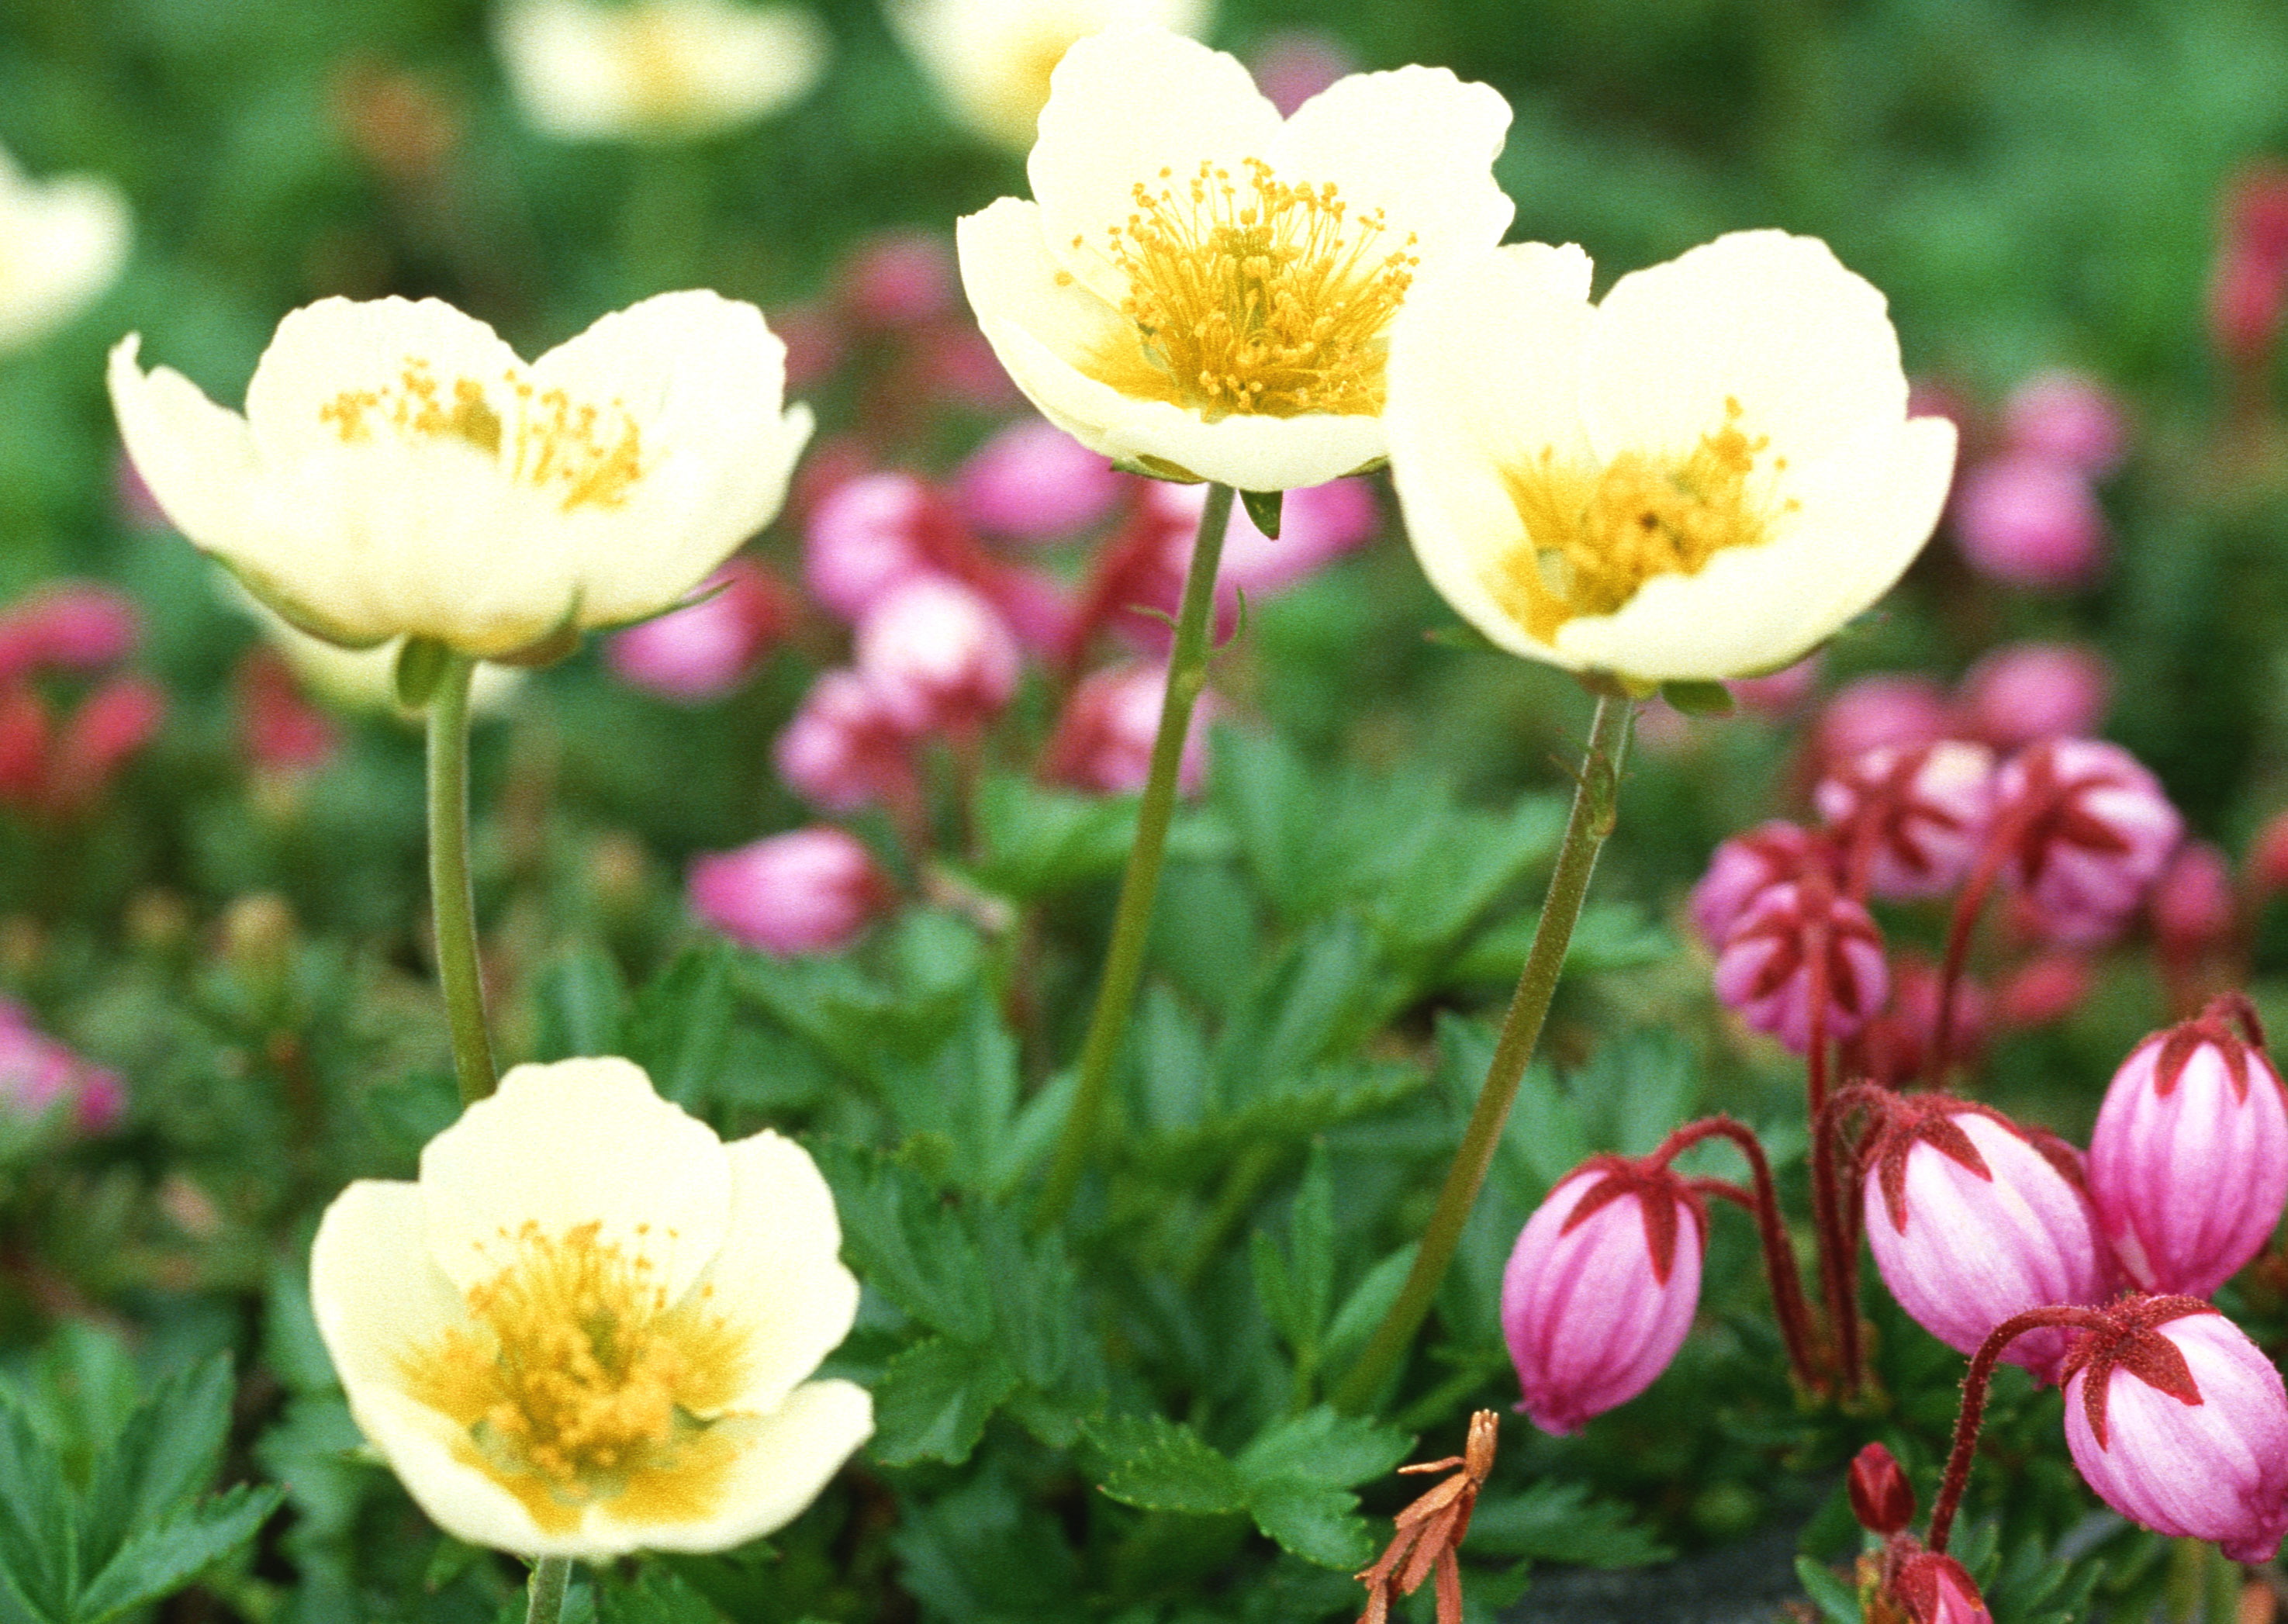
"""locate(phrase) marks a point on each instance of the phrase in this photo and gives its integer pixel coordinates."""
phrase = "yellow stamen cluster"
(1594, 535)
(1262, 296)
(578, 1380)
(586, 455)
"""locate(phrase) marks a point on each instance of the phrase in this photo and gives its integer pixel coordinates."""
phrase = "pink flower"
(1778, 693)
(1875, 711)
(2248, 289)
(1296, 64)
(2068, 418)
(843, 750)
(2267, 857)
(38, 1074)
(279, 729)
(1770, 854)
(2179, 1424)
(871, 535)
(2044, 990)
(938, 655)
(1971, 1220)
(2031, 522)
(1766, 968)
(1103, 741)
(2027, 691)
(70, 625)
(1937, 1589)
(2193, 906)
(900, 279)
(1318, 524)
(1600, 1288)
(2188, 1163)
(1894, 1048)
(1920, 814)
(1034, 482)
(706, 650)
(2089, 830)
(111, 725)
(808, 890)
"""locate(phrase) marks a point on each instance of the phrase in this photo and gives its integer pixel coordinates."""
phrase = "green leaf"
(1698, 698)
(1263, 510)
(1461, 634)
(935, 1399)
(1364, 1308)
(1038, 841)
(291, 1347)
(413, 1110)
(165, 1456)
(655, 1598)
(579, 1002)
(1316, 1523)
(679, 1029)
(1327, 1447)
(36, 1521)
(965, 1091)
(160, 1559)
(419, 667)
(1836, 1601)
(1162, 1465)
(1555, 1521)
(907, 1244)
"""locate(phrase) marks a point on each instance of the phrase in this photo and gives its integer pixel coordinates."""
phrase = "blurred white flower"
(657, 69)
(1701, 476)
(399, 472)
(991, 59)
(61, 244)
(1204, 290)
(586, 1330)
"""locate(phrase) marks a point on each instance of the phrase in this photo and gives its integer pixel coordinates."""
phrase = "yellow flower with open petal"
(586, 1330)
(399, 472)
(1204, 290)
(61, 244)
(658, 69)
(1701, 475)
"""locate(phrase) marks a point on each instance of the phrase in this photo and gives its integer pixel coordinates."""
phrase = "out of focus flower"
(2266, 863)
(1881, 1498)
(278, 729)
(1937, 1589)
(2188, 1162)
(66, 239)
(1800, 950)
(1873, 712)
(1771, 853)
(2248, 288)
(808, 890)
(1295, 64)
(2068, 418)
(1205, 290)
(2089, 830)
(938, 656)
(401, 472)
(1894, 1048)
(1600, 1288)
(38, 1074)
(656, 69)
(67, 625)
(901, 279)
(1701, 475)
(1318, 524)
(1034, 482)
(2022, 692)
(2027, 522)
(109, 727)
(2045, 989)
(2179, 1424)
(700, 652)
(1780, 692)
(992, 60)
(1920, 815)
(587, 1329)
(872, 534)
(843, 750)
(1972, 1222)
(2193, 906)
(1103, 741)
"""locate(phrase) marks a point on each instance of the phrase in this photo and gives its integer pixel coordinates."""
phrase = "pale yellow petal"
(324, 354)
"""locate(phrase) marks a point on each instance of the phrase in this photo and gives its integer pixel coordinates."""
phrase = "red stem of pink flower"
(1974, 1406)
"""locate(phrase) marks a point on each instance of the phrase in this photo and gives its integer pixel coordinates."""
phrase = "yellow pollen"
(582, 453)
(578, 1382)
(1594, 535)
(1261, 296)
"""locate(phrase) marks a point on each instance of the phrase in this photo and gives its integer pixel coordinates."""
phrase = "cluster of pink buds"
(705, 650)
(38, 1075)
(58, 766)
(2027, 514)
(1907, 1581)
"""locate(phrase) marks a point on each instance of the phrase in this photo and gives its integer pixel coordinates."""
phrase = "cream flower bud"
(658, 69)
(399, 472)
(586, 1330)
(1700, 477)
(66, 238)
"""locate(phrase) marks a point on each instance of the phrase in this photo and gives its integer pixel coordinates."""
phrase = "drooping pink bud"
(2248, 289)
(843, 750)
(2030, 522)
(70, 625)
(704, 651)
(1771, 853)
(26, 738)
(1778, 693)
(1037, 605)
(2068, 418)
(1971, 1220)
(1881, 1498)
(869, 536)
(1875, 711)
(1103, 741)
(2179, 1424)
(2089, 830)
(111, 726)
(279, 729)
(1937, 1589)
(1600, 1288)
(1766, 968)
(1034, 482)
(900, 279)
(2044, 990)
(808, 890)
(2188, 1162)
(1920, 815)
(939, 656)
(1894, 1048)
(2022, 692)
(1296, 64)
(2193, 906)
(39, 1075)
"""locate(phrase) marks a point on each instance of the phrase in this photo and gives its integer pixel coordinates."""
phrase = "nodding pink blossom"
(2030, 522)
(1771, 853)
(2089, 830)
(1894, 1048)
(709, 648)
(111, 725)
(939, 657)
(1103, 741)
(38, 1074)
(900, 279)
(2044, 990)
(1780, 692)
(1876, 711)
(871, 535)
(1034, 482)
(1972, 1219)
(808, 890)
(2248, 289)
(1601, 1287)
(2194, 908)
(2188, 1163)
(1037, 605)
(1934, 1589)
(279, 729)
(2070, 419)
(2179, 1424)
(1916, 816)
(1881, 1498)
(1296, 64)
(2023, 691)
(68, 625)
(843, 750)
(1791, 937)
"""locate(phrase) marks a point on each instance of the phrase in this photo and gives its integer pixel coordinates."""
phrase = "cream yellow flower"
(399, 472)
(991, 59)
(1204, 290)
(1701, 476)
(363, 679)
(61, 244)
(586, 1330)
(657, 69)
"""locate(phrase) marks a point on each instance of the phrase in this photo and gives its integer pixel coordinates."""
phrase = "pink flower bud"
(2044, 990)
(901, 279)
(2193, 906)
(843, 750)
(279, 729)
(1920, 814)
(2027, 522)
(1600, 1288)
(1937, 1589)
(111, 725)
(2179, 1424)
(1318, 524)
(709, 648)
(1769, 854)
(2089, 831)
(26, 735)
(807, 891)
(938, 655)
(2188, 1162)
(1973, 1220)
(71, 625)
(2247, 294)
(869, 536)
(1103, 741)
(1881, 1498)
(1894, 1048)
(1034, 482)
(1779, 694)
(1296, 64)
(2068, 418)
(1765, 969)
(37, 1074)
(1037, 605)
(2027, 691)
(1876, 711)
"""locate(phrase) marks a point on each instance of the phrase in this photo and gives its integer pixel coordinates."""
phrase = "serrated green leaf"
(1316, 1522)
(907, 1244)
(1038, 841)
(1162, 1465)
(1557, 1521)
(935, 1399)
(1037, 1325)
(678, 1029)
(1836, 1601)
(965, 1091)
(163, 1458)
(160, 1559)
(1326, 1447)
(36, 1520)
(655, 1598)
(580, 1002)
(1364, 1308)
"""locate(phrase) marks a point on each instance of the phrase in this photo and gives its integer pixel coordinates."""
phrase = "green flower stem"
(1131, 922)
(1596, 801)
(552, 1577)
(451, 899)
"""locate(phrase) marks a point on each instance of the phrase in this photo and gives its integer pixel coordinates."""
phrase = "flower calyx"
(2127, 1338)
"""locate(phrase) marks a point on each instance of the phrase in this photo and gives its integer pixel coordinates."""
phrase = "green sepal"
(420, 667)
(1263, 508)
(1157, 468)
(1699, 699)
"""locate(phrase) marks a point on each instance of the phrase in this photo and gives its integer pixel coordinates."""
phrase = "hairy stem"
(552, 1577)
(1973, 1406)
(452, 900)
(1763, 1204)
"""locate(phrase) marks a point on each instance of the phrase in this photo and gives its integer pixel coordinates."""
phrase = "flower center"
(659, 52)
(582, 453)
(1256, 296)
(578, 1382)
(1594, 535)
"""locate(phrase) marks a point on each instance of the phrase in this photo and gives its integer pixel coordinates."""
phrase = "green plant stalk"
(552, 1577)
(452, 899)
(1140, 885)
(1596, 802)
